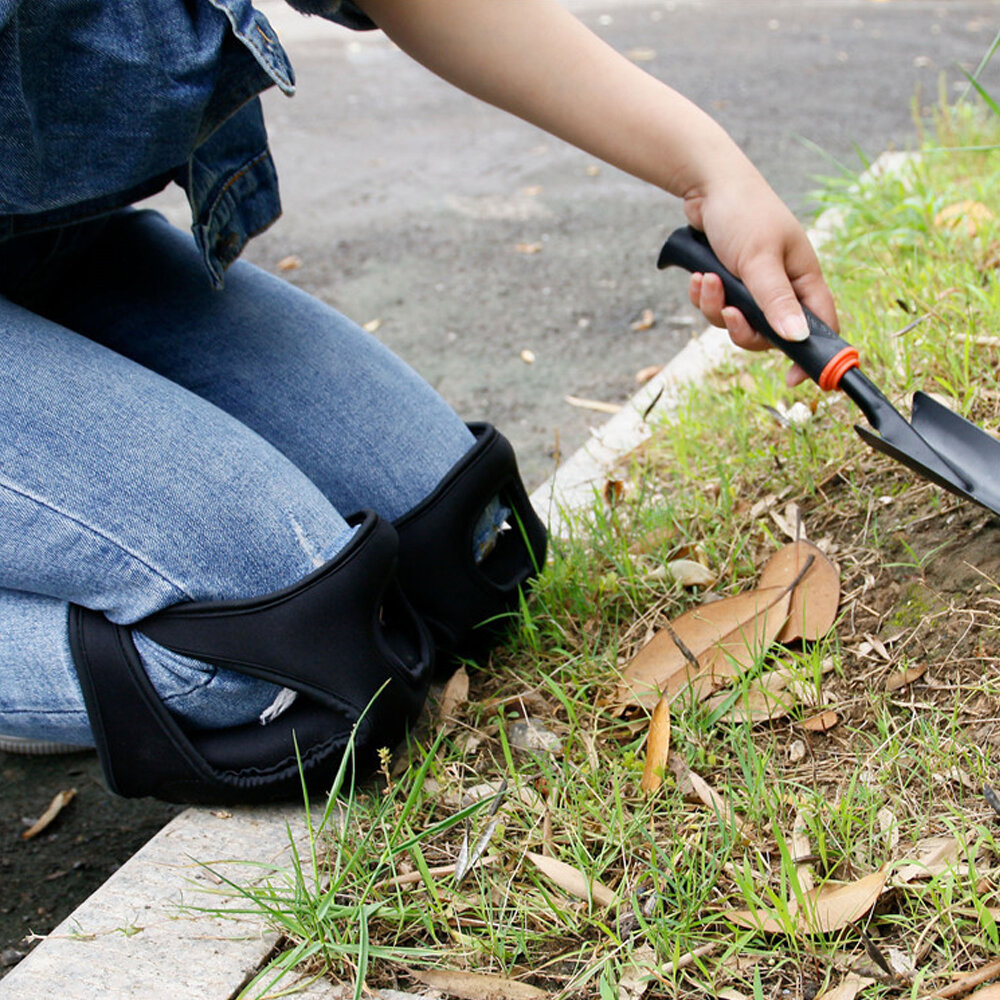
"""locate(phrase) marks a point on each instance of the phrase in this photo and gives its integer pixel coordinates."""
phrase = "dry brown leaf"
(707, 794)
(822, 722)
(815, 598)
(477, 985)
(694, 787)
(931, 856)
(689, 573)
(765, 699)
(454, 695)
(829, 908)
(848, 988)
(56, 806)
(802, 849)
(904, 677)
(967, 214)
(597, 405)
(614, 490)
(790, 522)
(639, 974)
(645, 322)
(572, 880)
(724, 638)
(643, 375)
(657, 747)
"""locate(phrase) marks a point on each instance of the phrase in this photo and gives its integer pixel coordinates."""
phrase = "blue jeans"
(163, 442)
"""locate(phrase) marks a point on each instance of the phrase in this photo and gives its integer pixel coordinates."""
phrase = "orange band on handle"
(837, 367)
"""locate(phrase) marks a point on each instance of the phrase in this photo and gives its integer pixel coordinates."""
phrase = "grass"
(917, 286)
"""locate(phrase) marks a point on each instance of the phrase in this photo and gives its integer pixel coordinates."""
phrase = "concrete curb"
(140, 935)
(576, 482)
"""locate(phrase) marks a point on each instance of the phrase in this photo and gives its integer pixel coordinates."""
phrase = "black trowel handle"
(824, 356)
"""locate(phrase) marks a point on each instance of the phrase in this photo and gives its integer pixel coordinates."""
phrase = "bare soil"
(45, 878)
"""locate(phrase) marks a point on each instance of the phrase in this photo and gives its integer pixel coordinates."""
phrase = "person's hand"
(757, 238)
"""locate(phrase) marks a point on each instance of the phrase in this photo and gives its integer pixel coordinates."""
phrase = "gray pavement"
(405, 200)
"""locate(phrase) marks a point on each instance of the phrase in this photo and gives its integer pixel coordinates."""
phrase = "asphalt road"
(405, 202)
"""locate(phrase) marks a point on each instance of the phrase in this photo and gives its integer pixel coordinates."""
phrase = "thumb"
(772, 290)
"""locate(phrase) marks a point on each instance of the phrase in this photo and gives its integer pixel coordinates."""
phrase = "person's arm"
(534, 59)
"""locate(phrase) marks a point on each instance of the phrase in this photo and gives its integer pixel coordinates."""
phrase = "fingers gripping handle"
(824, 356)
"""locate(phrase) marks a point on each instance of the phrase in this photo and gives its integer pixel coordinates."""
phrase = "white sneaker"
(29, 747)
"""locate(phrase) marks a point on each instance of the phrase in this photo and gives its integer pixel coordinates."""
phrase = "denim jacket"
(104, 102)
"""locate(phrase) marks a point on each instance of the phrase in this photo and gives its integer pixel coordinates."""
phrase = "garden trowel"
(935, 442)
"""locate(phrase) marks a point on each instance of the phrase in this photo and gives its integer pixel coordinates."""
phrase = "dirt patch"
(46, 878)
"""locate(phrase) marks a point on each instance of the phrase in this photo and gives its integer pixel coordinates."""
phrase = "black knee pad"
(467, 605)
(344, 638)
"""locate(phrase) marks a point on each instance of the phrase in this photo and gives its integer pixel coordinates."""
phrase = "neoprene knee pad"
(344, 638)
(468, 605)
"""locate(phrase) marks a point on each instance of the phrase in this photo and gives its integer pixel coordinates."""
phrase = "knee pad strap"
(344, 638)
(460, 600)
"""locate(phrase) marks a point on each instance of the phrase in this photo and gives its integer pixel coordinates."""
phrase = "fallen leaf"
(528, 248)
(639, 974)
(790, 522)
(477, 985)
(820, 723)
(765, 699)
(56, 806)
(797, 751)
(931, 856)
(695, 788)
(723, 637)
(532, 737)
(593, 404)
(816, 597)
(848, 988)
(614, 490)
(829, 908)
(572, 880)
(657, 747)
(645, 322)
(454, 695)
(689, 573)
(889, 827)
(967, 214)
(289, 263)
(643, 375)
(902, 678)
(802, 849)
